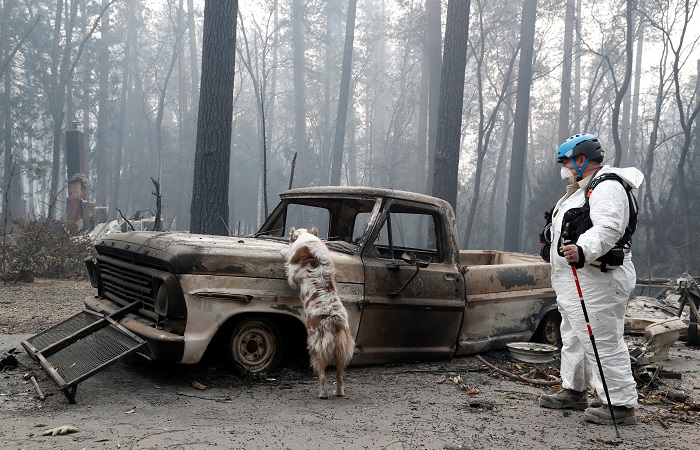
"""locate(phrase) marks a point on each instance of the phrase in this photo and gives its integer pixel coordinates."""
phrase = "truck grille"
(125, 285)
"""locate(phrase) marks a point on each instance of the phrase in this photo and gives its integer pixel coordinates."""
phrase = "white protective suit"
(605, 293)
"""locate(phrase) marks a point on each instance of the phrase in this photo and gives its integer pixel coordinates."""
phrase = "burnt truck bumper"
(162, 345)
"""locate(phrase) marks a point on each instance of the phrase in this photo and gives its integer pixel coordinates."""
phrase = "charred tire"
(255, 346)
(549, 330)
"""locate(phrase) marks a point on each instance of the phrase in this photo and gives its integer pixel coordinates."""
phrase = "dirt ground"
(412, 406)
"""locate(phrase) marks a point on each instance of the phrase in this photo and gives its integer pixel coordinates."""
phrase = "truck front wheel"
(255, 346)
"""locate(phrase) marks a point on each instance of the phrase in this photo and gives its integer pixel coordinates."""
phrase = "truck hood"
(184, 253)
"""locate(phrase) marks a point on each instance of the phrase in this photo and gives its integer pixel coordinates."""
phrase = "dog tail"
(345, 345)
(332, 341)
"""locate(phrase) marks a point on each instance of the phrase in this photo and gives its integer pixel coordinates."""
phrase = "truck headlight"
(162, 301)
(93, 273)
(169, 301)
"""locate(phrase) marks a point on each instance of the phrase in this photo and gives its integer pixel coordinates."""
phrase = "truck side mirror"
(415, 260)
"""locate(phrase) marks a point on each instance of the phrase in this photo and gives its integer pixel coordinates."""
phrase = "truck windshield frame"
(336, 219)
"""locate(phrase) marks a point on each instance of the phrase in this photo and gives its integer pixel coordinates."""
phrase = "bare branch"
(125, 219)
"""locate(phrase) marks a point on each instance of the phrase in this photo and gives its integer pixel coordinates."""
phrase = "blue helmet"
(581, 144)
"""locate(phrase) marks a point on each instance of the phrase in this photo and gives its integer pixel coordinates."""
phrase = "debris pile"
(140, 221)
(663, 321)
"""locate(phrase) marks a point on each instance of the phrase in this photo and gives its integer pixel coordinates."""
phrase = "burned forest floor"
(458, 404)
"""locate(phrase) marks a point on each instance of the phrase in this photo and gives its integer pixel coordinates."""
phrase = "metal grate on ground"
(81, 346)
(63, 330)
(91, 352)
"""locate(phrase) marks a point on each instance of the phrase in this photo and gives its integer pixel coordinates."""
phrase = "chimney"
(75, 152)
(77, 207)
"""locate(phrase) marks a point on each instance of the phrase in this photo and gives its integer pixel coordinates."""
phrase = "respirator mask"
(568, 175)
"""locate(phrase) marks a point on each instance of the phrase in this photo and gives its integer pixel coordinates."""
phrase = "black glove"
(581, 259)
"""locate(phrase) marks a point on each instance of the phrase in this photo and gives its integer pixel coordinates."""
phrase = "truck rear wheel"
(256, 345)
(549, 332)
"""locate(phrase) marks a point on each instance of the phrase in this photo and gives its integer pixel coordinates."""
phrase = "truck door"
(407, 316)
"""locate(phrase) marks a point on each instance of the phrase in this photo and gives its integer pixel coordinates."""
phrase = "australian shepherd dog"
(310, 268)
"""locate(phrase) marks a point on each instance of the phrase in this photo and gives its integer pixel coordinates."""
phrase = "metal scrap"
(663, 321)
(8, 360)
(690, 297)
(660, 337)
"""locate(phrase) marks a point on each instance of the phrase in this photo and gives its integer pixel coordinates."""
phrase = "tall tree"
(631, 159)
(344, 95)
(422, 127)
(182, 91)
(86, 81)
(328, 65)
(252, 63)
(649, 207)
(621, 92)
(56, 93)
(270, 119)
(514, 204)
(381, 111)
(192, 34)
(125, 88)
(576, 96)
(209, 210)
(434, 14)
(351, 169)
(103, 146)
(177, 22)
(499, 182)
(454, 61)
(565, 96)
(9, 163)
(299, 47)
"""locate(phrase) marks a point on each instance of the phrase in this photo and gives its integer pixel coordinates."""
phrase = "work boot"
(565, 399)
(601, 414)
(596, 402)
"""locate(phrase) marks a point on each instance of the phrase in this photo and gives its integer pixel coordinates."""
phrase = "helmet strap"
(579, 171)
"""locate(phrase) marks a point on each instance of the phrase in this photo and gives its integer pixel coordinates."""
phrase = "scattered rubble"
(535, 375)
(652, 327)
(8, 360)
(655, 308)
(140, 221)
(662, 321)
(657, 386)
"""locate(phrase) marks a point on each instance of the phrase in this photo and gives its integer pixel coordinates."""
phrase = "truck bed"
(492, 271)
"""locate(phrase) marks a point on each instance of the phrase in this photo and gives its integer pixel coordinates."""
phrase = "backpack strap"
(626, 240)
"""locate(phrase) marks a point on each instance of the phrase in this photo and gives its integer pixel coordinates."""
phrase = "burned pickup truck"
(411, 294)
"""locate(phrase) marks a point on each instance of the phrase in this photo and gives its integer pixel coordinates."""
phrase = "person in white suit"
(606, 281)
